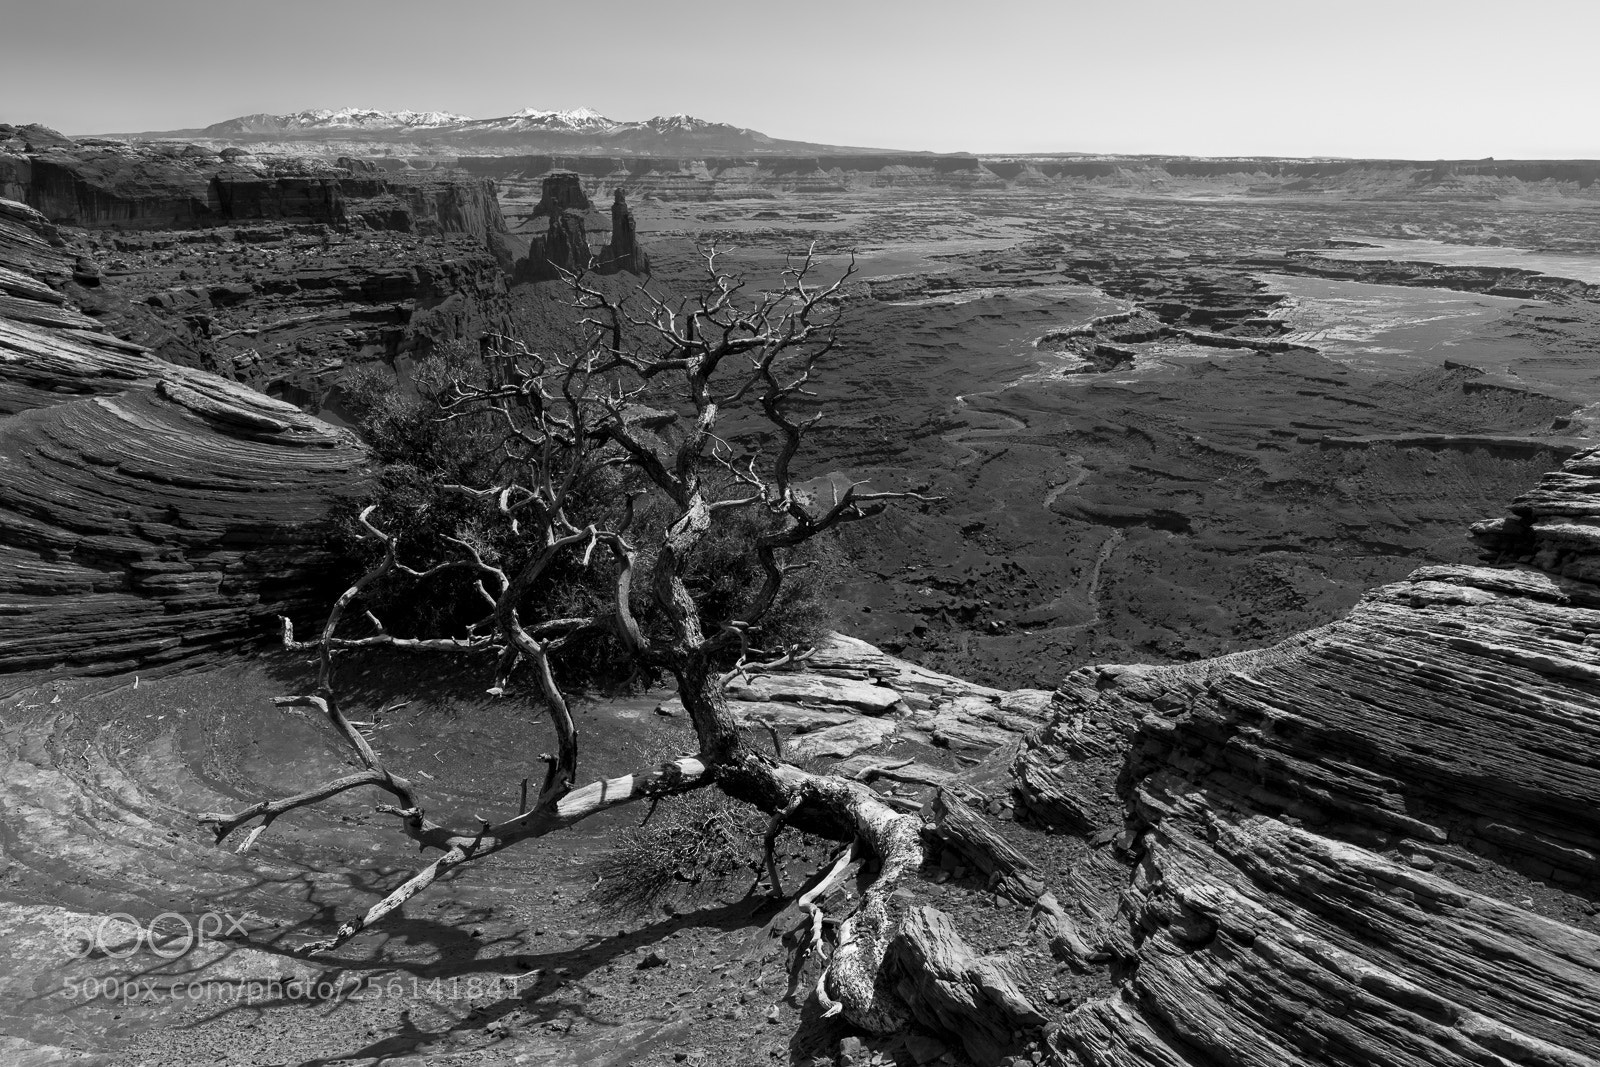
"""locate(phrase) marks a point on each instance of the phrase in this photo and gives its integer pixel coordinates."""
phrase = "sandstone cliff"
(147, 511)
(1372, 843)
(109, 184)
(564, 246)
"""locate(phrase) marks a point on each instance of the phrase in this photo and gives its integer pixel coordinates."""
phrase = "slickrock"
(803, 688)
(847, 675)
(851, 700)
(845, 739)
(848, 657)
(1373, 843)
(146, 510)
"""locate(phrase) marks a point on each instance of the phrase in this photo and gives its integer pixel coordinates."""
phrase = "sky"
(1414, 79)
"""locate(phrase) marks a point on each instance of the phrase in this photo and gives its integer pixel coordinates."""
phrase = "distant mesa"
(564, 246)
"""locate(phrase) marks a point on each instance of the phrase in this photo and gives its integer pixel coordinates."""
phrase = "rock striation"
(287, 309)
(147, 511)
(1371, 843)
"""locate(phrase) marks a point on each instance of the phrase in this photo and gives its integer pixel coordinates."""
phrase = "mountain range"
(580, 130)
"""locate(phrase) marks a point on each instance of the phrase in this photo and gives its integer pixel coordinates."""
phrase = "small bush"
(692, 848)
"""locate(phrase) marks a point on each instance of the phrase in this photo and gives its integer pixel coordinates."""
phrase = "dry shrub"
(693, 847)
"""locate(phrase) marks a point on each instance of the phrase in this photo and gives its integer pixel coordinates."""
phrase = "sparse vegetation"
(427, 450)
(687, 848)
(586, 499)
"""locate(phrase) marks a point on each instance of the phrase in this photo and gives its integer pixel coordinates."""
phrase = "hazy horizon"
(1408, 80)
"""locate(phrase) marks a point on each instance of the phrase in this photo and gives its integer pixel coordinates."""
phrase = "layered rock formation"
(1372, 843)
(287, 309)
(278, 271)
(707, 177)
(147, 511)
(704, 176)
(561, 192)
(564, 246)
(109, 184)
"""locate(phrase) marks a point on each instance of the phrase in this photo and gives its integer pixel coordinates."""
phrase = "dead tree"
(564, 417)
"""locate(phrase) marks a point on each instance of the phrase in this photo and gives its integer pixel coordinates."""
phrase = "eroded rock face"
(564, 246)
(277, 272)
(1555, 526)
(163, 185)
(147, 511)
(563, 191)
(1374, 842)
(623, 252)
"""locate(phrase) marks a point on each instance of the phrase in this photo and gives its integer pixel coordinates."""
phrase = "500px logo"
(169, 935)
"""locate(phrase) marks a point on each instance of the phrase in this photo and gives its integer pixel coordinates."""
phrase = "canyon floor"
(1163, 429)
(1166, 499)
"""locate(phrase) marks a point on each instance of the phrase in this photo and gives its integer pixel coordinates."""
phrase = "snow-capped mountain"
(579, 118)
(680, 121)
(364, 118)
(345, 118)
(579, 131)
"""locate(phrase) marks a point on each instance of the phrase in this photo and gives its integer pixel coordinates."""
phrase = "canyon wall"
(1371, 843)
(148, 511)
(280, 273)
(713, 176)
(98, 184)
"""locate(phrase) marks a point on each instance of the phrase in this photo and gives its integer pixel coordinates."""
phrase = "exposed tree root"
(807, 905)
(770, 842)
